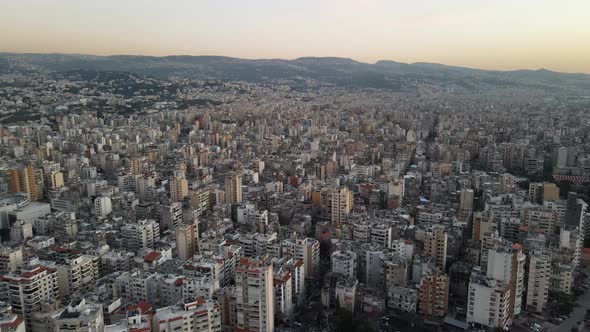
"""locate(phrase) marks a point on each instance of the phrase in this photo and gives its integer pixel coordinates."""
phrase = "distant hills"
(324, 71)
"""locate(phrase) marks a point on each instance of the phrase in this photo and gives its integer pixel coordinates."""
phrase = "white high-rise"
(254, 296)
(538, 281)
(488, 302)
(507, 265)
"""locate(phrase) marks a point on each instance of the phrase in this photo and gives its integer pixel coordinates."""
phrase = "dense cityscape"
(137, 202)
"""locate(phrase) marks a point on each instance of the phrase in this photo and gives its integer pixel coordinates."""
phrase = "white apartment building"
(25, 291)
(196, 316)
(488, 302)
(254, 296)
(141, 235)
(77, 275)
(538, 281)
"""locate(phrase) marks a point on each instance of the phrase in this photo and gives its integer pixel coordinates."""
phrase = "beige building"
(187, 240)
(178, 189)
(435, 245)
(26, 179)
(55, 180)
(11, 259)
(78, 275)
(233, 188)
(538, 281)
(336, 203)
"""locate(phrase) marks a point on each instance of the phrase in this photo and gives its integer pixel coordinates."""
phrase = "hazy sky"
(495, 34)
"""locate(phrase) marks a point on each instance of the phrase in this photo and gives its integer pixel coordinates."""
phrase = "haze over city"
(526, 34)
(294, 166)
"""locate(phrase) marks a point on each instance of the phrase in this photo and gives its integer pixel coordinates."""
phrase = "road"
(578, 314)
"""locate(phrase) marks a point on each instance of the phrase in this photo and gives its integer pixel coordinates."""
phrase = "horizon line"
(294, 59)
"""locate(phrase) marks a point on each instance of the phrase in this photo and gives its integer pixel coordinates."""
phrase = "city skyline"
(499, 36)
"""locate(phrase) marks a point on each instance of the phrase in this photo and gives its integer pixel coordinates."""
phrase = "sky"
(490, 34)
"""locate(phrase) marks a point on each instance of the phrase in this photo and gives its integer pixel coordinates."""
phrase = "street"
(578, 315)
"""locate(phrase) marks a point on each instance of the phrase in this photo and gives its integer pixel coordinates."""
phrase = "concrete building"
(539, 219)
(466, 202)
(402, 298)
(198, 315)
(11, 259)
(336, 203)
(308, 250)
(283, 290)
(507, 265)
(538, 281)
(26, 290)
(435, 246)
(178, 189)
(9, 321)
(77, 276)
(434, 294)
(488, 302)
(233, 189)
(24, 179)
(102, 206)
(80, 316)
(344, 263)
(141, 235)
(187, 240)
(170, 216)
(254, 296)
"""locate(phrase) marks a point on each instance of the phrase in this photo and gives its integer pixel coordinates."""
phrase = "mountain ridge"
(336, 71)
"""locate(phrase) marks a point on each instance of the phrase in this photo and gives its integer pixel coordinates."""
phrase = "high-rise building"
(141, 235)
(78, 275)
(178, 189)
(307, 249)
(538, 281)
(254, 296)
(25, 291)
(102, 206)
(26, 179)
(560, 157)
(542, 192)
(170, 216)
(435, 245)
(466, 199)
(233, 188)
(506, 263)
(434, 294)
(336, 203)
(539, 219)
(575, 210)
(535, 192)
(283, 290)
(488, 302)
(136, 165)
(187, 240)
